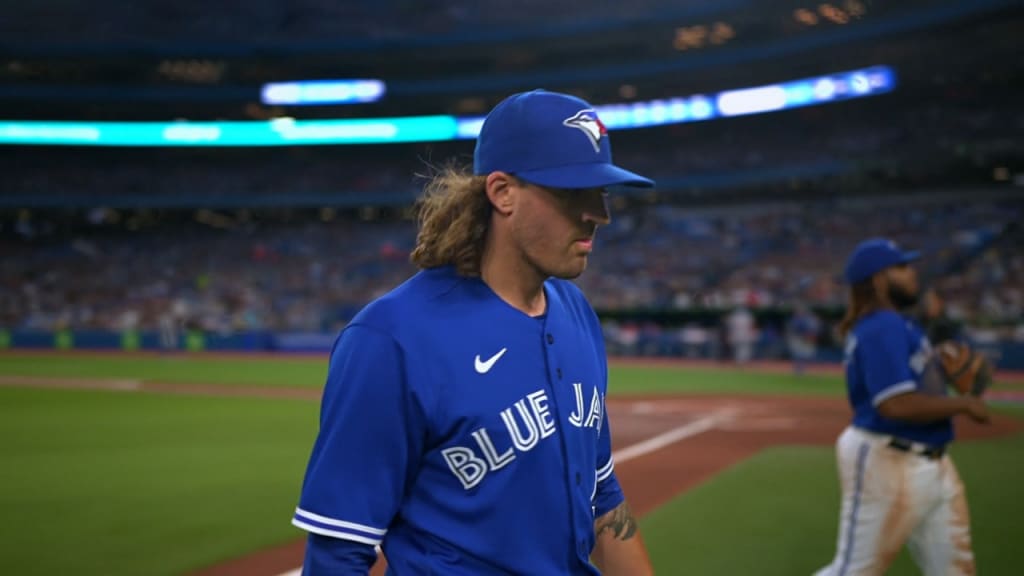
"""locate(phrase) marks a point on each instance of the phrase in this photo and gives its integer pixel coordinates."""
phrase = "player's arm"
(922, 408)
(885, 358)
(619, 551)
(366, 454)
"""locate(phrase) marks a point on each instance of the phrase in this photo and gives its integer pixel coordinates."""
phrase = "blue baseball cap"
(874, 255)
(550, 139)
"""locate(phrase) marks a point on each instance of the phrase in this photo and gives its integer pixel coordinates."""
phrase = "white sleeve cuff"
(334, 528)
(894, 390)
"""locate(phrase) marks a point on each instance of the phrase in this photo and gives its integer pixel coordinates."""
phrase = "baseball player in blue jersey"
(898, 484)
(463, 425)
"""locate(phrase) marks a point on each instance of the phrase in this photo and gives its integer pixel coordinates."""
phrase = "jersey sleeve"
(370, 441)
(885, 358)
(607, 493)
(327, 556)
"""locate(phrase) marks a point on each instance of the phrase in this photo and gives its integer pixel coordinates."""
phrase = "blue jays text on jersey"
(887, 355)
(464, 436)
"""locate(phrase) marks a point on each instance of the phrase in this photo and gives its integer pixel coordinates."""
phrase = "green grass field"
(111, 483)
(106, 483)
(310, 373)
(301, 372)
(776, 514)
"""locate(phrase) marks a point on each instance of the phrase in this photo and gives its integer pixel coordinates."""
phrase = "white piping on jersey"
(894, 390)
(336, 534)
(339, 523)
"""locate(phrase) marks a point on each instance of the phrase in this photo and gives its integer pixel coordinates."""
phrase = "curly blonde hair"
(454, 215)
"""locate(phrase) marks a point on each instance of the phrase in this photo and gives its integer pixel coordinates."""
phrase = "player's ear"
(500, 189)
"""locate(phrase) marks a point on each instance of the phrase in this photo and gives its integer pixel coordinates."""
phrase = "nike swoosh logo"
(484, 366)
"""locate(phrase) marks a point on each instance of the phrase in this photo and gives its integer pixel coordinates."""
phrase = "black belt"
(930, 452)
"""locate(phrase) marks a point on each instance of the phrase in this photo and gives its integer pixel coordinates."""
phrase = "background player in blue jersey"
(899, 486)
(463, 424)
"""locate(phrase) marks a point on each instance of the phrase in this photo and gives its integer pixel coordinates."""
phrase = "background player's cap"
(550, 139)
(874, 255)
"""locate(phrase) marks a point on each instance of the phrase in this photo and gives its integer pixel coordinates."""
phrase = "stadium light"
(287, 131)
(320, 92)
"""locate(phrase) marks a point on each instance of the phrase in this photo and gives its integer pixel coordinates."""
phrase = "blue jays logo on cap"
(533, 135)
(588, 123)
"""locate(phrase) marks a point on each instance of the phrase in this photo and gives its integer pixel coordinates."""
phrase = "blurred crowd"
(689, 246)
(751, 216)
(254, 277)
(784, 254)
(314, 272)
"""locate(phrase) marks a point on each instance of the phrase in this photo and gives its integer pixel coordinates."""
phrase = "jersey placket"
(557, 387)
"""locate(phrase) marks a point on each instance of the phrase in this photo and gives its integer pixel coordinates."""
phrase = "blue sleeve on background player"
(327, 556)
(370, 442)
(608, 493)
(884, 354)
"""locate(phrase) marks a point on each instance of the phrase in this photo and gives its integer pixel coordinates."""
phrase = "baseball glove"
(965, 370)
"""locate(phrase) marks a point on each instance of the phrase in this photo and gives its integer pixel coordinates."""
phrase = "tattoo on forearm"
(620, 522)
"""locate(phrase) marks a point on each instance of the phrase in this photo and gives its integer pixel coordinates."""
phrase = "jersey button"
(578, 477)
(558, 372)
(551, 339)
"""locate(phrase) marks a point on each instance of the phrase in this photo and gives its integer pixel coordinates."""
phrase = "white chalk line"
(760, 424)
(71, 383)
(670, 437)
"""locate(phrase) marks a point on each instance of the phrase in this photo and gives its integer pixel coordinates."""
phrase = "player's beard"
(902, 298)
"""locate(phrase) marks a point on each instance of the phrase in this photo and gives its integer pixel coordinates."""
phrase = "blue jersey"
(888, 355)
(464, 436)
